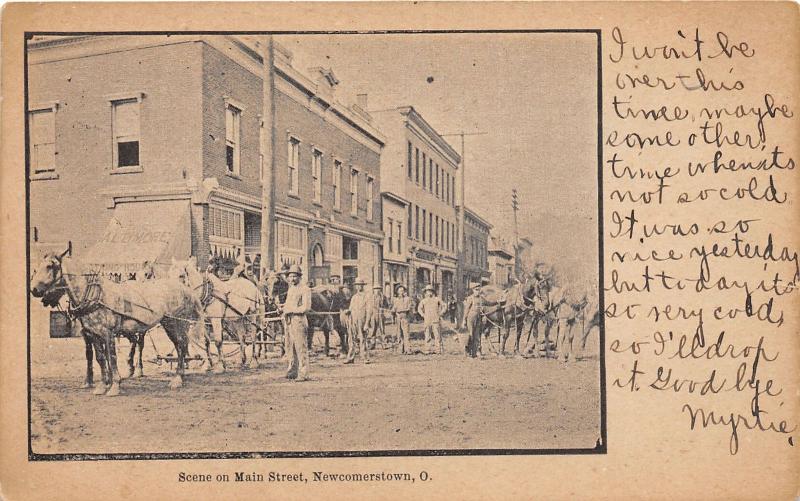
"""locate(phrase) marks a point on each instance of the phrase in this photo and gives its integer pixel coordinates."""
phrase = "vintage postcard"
(394, 249)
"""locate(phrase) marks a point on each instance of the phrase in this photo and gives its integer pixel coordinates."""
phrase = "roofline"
(413, 115)
(395, 196)
(474, 214)
(286, 71)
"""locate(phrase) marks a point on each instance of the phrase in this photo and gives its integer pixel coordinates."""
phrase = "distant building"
(476, 254)
(524, 259)
(395, 242)
(501, 261)
(419, 166)
(147, 147)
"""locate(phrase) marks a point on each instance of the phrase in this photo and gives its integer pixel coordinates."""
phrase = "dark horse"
(506, 308)
(330, 300)
(102, 307)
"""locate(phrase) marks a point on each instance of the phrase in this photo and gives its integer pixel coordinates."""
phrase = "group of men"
(365, 319)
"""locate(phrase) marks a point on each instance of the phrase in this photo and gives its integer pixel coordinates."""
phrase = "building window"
(430, 175)
(390, 235)
(410, 218)
(293, 156)
(291, 248)
(438, 191)
(430, 228)
(354, 192)
(416, 164)
(453, 193)
(424, 171)
(370, 200)
(349, 248)
(424, 225)
(436, 230)
(416, 223)
(316, 174)
(337, 181)
(410, 151)
(233, 129)
(42, 151)
(399, 237)
(225, 224)
(125, 129)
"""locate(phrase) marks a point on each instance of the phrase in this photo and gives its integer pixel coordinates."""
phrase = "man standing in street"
(401, 307)
(298, 303)
(358, 312)
(431, 308)
(472, 317)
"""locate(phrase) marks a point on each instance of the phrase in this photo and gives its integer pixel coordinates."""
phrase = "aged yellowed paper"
(473, 250)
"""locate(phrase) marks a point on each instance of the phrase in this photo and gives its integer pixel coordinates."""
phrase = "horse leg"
(520, 325)
(240, 335)
(131, 355)
(172, 332)
(209, 361)
(535, 331)
(216, 332)
(111, 356)
(102, 361)
(139, 362)
(88, 382)
(248, 330)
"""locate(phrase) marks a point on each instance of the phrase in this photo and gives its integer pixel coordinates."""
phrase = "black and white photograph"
(314, 244)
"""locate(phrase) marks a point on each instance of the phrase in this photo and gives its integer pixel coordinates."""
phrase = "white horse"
(235, 305)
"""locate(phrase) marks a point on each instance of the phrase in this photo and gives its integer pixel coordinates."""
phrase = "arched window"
(318, 255)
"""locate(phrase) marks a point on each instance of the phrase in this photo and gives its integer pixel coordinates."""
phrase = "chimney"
(361, 100)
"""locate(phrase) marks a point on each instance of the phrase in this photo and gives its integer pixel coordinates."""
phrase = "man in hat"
(431, 309)
(358, 313)
(377, 327)
(401, 307)
(472, 317)
(298, 304)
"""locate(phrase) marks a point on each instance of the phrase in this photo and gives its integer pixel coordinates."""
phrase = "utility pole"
(267, 147)
(515, 206)
(461, 241)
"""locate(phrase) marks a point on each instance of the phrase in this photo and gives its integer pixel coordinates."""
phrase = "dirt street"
(397, 402)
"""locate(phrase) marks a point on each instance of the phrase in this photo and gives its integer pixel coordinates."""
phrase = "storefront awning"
(143, 231)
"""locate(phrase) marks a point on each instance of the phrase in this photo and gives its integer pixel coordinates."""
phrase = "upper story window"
(349, 248)
(390, 236)
(42, 145)
(416, 165)
(430, 175)
(370, 195)
(125, 126)
(316, 174)
(399, 237)
(293, 156)
(438, 186)
(233, 132)
(336, 182)
(416, 222)
(424, 171)
(410, 218)
(354, 192)
(408, 160)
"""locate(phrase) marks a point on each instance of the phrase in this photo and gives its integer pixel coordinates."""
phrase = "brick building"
(147, 147)
(419, 166)
(475, 267)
